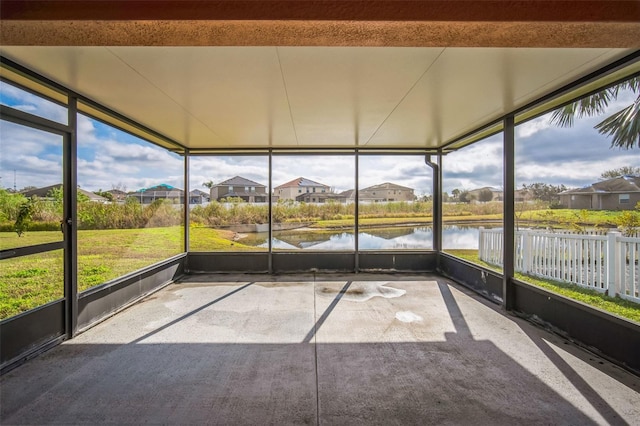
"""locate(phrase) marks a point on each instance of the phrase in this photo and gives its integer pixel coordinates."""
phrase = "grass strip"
(614, 305)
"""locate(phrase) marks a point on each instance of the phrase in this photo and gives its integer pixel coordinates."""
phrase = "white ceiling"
(342, 97)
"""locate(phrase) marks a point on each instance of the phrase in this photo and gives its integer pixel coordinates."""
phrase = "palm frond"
(623, 126)
(588, 106)
(632, 84)
(565, 116)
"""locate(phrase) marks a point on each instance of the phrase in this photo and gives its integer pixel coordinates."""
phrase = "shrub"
(629, 222)
(10, 205)
(25, 216)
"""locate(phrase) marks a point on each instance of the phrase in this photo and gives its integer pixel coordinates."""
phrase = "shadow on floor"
(458, 381)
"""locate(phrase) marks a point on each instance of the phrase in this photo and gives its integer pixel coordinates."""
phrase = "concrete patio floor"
(325, 349)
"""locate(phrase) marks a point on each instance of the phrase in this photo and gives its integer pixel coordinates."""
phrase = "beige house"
(299, 186)
(496, 194)
(239, 187)
(321, 197)
(621, 193)
(522, 196)
(386, 192)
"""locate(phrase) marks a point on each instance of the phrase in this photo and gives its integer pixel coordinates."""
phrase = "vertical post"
(613, 259)
(508, 213)
(270, 198)
(187, 196)
(437, 203)
(356, 194)
(70, 197)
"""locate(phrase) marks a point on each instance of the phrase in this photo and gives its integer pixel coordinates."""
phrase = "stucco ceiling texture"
(312, 97)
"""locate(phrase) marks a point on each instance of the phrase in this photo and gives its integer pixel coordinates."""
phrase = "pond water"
(398, 237)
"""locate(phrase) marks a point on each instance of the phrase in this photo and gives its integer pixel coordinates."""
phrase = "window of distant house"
(246, 189)
(314, 190)
(624, 198)
(299, 191)
(323, 189)
(573, 198)
(230, 188)
(253, 189)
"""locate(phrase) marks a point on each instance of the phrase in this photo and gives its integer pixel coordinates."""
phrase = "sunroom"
(428, 152)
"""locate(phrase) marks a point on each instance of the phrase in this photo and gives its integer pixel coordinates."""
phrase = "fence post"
(525, 251)
(481, 247)
(613, 263)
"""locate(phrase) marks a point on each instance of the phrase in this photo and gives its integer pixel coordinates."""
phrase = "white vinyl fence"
(600, 262)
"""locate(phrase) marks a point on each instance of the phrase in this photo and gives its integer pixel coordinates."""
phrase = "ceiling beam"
(428, 23)
(326, 10)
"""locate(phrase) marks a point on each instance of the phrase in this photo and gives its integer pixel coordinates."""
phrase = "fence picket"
(601, 262)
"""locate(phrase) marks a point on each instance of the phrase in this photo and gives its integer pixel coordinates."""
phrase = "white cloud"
(27, 102)
(86, 130)
(530, 128)
(29, 157)
(108, 157)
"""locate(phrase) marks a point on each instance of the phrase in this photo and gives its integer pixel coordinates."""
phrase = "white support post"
(613, 263)
(481, 248)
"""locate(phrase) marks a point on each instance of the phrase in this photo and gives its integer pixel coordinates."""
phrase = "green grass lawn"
(616, 305)
(103, 255)
(30, 281)
(597, 218)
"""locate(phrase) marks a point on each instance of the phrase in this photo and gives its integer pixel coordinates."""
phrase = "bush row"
(47, 214)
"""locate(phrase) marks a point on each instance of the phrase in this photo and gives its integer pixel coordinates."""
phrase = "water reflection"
(411, 237)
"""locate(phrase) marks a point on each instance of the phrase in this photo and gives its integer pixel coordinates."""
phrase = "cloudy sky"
(109, 158)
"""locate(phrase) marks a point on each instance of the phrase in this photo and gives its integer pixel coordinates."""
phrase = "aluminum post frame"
(508, 245)
(356, 224)
(437, 201)
(187, 202)
(270, 243)
(70, 220)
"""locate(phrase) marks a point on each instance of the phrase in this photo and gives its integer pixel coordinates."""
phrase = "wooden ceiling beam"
(427, 23)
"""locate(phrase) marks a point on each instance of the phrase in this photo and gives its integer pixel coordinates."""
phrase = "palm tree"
(623, 126)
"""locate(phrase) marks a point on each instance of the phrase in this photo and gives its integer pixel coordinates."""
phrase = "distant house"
(300, 186)
(522, 196)
(496, 194)
(248, 190)
(621, 193)
(198, 197)
(321, 197)
(349, 195)
(386, 192)
(45, 192)
(117, 194)
(158, 192)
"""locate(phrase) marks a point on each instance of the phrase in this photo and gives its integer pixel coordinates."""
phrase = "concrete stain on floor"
(364, 291)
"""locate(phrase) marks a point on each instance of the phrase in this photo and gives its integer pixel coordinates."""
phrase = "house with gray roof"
(45, 192)
(620, 193)
(239, 187)
(198, 197)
